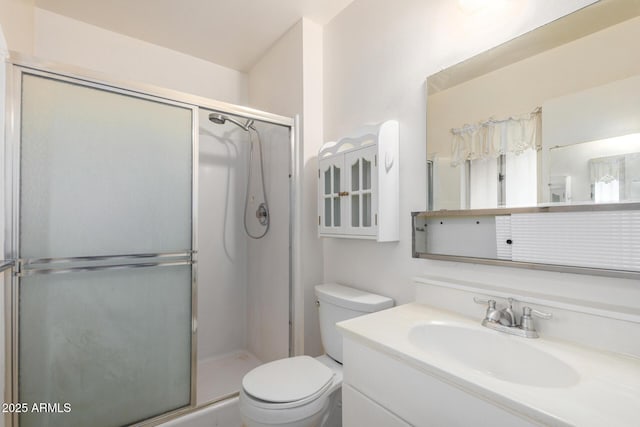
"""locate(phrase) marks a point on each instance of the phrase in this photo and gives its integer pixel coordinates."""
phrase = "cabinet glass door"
(362, 181)
(331, 181)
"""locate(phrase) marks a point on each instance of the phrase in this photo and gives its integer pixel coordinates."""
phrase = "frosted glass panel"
(102, 173)
(366, 174)
(327, 212)
(355, 210)
(355, 176)
(115, 345)
(327, 181)
(336, 212)
(366, 210)
(336, 179)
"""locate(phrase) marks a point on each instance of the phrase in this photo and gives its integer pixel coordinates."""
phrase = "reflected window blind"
(608, 239)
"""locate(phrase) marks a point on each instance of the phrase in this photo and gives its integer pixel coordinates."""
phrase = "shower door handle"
(27, 267)
(91, 268)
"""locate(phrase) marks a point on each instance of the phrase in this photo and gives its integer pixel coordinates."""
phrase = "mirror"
(551, 117)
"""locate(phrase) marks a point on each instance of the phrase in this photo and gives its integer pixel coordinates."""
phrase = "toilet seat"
(300, 380)
(308, 383)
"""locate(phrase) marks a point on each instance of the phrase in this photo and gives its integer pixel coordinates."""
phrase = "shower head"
(216, 118)
(220, 119)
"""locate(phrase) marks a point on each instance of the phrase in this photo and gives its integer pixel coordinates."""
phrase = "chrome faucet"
(507, 316)
(504, 320)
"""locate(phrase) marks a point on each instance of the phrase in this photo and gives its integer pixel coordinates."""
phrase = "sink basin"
(505, 357)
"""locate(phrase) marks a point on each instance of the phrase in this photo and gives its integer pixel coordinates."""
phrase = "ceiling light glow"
(472, 6)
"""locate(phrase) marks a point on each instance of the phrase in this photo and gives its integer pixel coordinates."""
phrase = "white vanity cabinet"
(390, 392)
(359, 410)
(427, 366)
(358, 185)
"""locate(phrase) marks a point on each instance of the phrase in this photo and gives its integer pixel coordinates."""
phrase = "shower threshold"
(222, 375)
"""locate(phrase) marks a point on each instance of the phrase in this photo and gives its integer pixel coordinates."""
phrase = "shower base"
(222, 375)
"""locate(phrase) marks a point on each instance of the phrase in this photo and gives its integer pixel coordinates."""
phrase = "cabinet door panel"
(331, 206)
(417, 397)
(359, 410)
(362, 208)
(355, 210)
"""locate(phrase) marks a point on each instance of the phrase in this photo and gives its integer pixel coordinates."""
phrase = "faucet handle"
(526, 322)
(528, 311)
(492, 314)
(490, 302)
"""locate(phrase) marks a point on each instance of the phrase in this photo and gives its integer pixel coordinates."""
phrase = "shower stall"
(147, 248)
(238, 328)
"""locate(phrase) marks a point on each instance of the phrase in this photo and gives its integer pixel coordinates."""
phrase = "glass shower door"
(106, 247)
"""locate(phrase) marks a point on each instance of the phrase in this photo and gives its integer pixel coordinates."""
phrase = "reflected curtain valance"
(607, 169)
(494, 137)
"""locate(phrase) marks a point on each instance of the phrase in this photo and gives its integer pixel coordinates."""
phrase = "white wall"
(312, 135)
(288, 81)
(376, 61)
(275, 81)
(17, 20)
(69, 41)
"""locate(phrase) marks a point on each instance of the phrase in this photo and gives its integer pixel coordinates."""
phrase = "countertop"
(607, 392)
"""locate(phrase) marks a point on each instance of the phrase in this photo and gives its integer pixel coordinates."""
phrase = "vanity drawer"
(359, 410)
(418, 398)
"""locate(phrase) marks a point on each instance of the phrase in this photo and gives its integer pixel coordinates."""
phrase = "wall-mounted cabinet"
(358, 185)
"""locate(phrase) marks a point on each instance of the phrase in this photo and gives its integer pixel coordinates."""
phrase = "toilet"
(304, 391)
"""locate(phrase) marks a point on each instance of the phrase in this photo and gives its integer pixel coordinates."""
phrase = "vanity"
(418, 365)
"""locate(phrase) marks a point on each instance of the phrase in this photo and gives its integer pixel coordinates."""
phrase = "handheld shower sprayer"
(262, 213)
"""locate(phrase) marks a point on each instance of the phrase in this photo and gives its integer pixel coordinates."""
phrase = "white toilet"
(303, 391)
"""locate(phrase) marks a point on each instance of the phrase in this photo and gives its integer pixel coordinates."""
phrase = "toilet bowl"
(294, 392)
(303, 391)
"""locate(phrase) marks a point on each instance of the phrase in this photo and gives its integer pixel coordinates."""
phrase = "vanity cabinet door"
(330, 189)
(419, 398)
(362, 177)
(359, 410)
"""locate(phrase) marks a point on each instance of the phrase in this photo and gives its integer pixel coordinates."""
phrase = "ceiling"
(232, 33)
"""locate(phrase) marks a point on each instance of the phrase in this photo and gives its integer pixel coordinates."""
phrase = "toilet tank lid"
(353, 299)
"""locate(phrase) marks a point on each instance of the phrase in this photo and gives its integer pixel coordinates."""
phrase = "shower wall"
(243, 283)
(222, 252)
(268, 270)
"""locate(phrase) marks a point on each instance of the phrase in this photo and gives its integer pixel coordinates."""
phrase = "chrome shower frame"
(19, 64)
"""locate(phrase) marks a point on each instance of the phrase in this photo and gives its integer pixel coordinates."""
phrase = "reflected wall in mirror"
(551, 117)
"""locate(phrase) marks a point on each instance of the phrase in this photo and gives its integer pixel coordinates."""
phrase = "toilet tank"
(337, 303)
